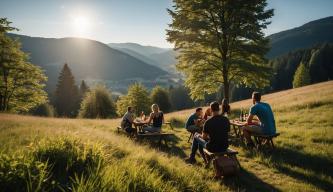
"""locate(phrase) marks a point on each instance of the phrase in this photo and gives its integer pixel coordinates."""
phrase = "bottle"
(241, 115)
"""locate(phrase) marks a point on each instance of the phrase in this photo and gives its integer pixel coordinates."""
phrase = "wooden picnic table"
(238, 127)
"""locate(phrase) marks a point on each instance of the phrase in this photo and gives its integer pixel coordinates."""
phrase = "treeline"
(295, 69)
(70, 100)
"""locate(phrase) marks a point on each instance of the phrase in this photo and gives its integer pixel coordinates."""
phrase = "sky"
(138, 21)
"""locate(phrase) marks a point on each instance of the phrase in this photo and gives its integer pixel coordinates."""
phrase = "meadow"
(55, 154)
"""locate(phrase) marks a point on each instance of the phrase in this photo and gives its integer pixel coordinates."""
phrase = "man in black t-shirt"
(214, 136)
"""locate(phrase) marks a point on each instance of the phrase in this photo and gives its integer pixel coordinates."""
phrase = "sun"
(81, 25)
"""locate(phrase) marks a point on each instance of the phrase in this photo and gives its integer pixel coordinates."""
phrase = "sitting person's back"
(265, 114)
(217, 127)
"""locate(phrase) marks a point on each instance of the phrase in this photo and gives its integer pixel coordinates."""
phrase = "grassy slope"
(303, 160)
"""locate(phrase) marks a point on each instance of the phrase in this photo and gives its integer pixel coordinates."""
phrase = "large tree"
(220, 42)
(21, 83)
(66, 100)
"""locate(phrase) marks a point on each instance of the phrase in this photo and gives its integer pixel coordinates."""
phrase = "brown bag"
(225, 166)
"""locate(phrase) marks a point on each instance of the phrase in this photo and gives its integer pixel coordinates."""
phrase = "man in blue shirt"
(266, 123)
(193, 122)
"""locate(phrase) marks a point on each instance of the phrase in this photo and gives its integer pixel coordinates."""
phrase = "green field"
(88, 155)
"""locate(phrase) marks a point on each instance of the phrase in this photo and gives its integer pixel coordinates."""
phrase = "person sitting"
(266, 123)
(128, 120)
(157, 117)
(208, 114)
(214, 136)
(225, 107)
(193, 123)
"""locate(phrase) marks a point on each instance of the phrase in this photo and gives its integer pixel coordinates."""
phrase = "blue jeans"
(198, 143)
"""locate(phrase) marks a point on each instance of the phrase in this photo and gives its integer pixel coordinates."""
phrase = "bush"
(44, 110)
(161, 97)
(97, 103)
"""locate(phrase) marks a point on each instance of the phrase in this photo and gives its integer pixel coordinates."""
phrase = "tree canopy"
(220, 42)
(21, 82)
(161, 97)
(98, 103)
(137, 97)
(302, 76)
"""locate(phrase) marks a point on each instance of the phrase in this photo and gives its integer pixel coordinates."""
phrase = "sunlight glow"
(81, 25)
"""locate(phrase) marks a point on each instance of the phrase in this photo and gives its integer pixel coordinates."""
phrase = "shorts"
(193, 128)
(254, 129)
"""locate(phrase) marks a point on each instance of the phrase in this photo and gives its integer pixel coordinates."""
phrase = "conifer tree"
(302, 76)
(66, 94)
(83, 89)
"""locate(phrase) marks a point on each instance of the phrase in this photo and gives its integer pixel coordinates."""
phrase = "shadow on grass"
(320, 166)
(170, 148)
(247, 181)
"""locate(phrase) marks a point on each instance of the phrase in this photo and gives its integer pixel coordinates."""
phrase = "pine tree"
(221, 42)
(66, 94)
(83, 89)
(302, 76)
(161, 97)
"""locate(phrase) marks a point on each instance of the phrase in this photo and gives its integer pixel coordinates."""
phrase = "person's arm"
(150, 118)
(205, 134)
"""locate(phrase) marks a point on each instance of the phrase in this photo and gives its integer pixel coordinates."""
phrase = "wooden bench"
(264, 140)
(159, 136)
(230, 153)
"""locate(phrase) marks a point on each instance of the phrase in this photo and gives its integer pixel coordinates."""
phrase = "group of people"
(154, 122)
(212, 128)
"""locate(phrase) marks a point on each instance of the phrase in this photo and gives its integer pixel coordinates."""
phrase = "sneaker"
(190, 160)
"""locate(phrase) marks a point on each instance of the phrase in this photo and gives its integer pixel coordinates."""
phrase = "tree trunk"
(226, 86)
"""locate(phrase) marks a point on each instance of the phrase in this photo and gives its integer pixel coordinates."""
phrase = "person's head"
(130, 109)
(256, 97)
(215, 107)
(154, 108)
(198, 111)
(225, 101)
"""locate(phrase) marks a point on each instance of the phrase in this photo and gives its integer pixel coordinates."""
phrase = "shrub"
(98, 103)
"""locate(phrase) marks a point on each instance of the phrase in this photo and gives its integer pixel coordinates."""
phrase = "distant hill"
(141, 49)
(163, 58)
(315, 32)
(86, 58)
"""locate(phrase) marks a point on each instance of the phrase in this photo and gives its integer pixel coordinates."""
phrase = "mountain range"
(88, 59)
(91, 59)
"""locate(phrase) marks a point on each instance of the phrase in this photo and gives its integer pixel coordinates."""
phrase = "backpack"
(225, 166)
